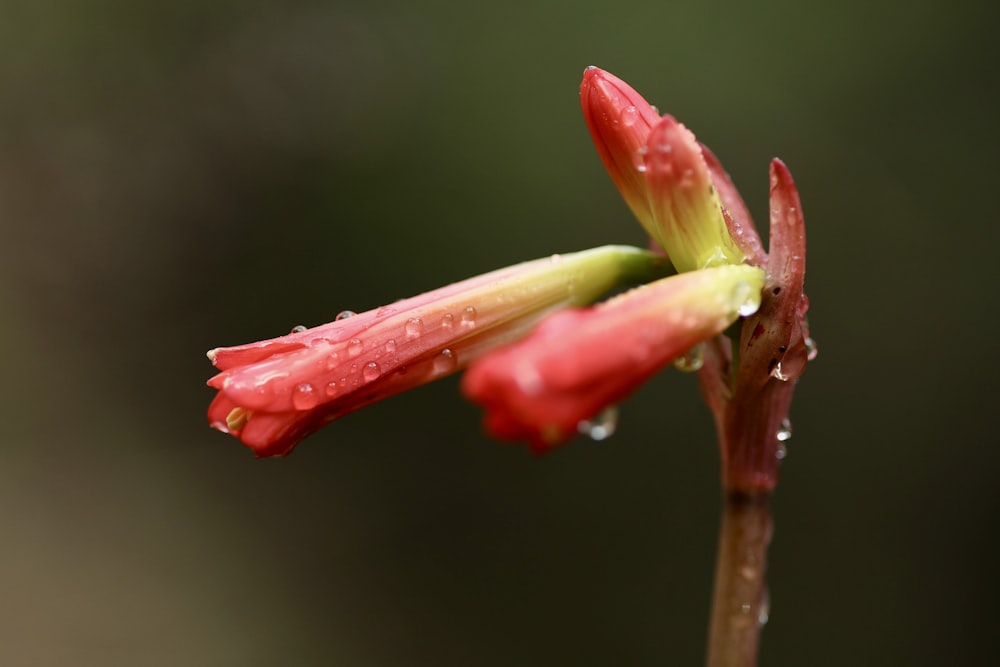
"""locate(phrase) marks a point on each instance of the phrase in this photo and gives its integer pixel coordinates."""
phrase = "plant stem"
(739, 606)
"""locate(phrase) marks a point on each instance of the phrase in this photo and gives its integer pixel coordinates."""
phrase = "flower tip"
(780, 174)
(211, 354)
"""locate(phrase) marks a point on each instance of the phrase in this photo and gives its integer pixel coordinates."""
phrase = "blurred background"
(179, 176)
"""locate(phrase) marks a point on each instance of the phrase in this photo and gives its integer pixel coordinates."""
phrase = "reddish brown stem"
(739, 607)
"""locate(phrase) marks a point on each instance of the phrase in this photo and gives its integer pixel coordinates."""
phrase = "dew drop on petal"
(447, 321)
(344, 314)
(414, 327)
(304, 397)
(602, 426)
(639, 159)
(629, 116)
(298, 328)
(777, 373)
(331, 388)
(812, 350)
(445, 361)
(469, 317)
(354, 347)
(390, 346)
(747, 301)
(692, 360)
(371, 371)
(331, 361)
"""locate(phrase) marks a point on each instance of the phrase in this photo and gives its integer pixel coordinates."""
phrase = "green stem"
(739, 606)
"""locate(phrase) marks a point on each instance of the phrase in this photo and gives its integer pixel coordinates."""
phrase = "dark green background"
(180, 175)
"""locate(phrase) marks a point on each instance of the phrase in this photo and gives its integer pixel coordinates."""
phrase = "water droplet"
(764, 611)
(743, 294)
(298, 328)
(414, 327)
(555, 259)
(781, 452)
(469, 317)
(331, 388)
(692, 360)
(602, 426)
(371, 371)
(639, 158)
(448, 321)
(344, 314)
(354, 347)
(445, 361)
(304, 397)
(785, 431)
(777, 374)
(390, 346)
(812, 350)
(331, 361)
(629, 116)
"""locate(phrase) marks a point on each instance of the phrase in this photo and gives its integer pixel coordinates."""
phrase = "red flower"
(275, 392)
(577, 362)
(660, 170)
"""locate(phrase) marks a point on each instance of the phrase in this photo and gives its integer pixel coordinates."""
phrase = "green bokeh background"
(181, 175)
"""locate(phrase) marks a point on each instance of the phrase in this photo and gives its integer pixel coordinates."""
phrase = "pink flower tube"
(578, 362)
(275, 392)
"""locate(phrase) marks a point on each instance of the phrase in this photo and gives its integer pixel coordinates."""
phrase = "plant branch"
(740, 603)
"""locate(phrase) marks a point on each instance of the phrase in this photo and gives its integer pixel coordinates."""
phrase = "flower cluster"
(541, 360)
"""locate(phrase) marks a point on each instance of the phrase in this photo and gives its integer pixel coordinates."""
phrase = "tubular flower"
(660, 170)
(577, 363)
(275, 392)
(545, 385)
